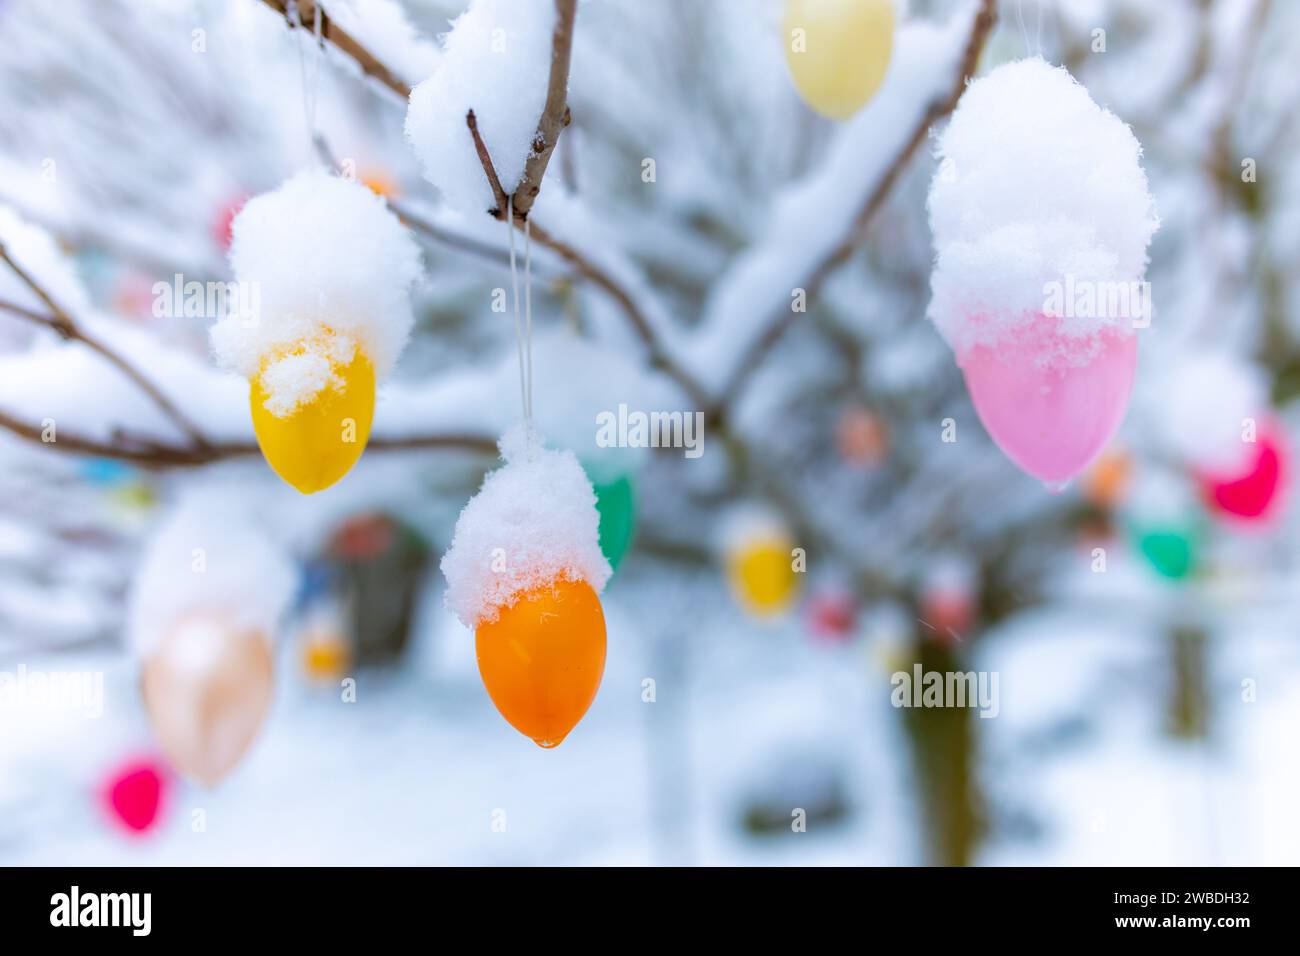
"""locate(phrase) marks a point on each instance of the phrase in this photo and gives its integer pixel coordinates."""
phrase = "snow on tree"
(700, 242)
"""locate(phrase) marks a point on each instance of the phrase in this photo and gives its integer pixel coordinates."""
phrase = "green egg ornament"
(1171, 551)
(616, 504)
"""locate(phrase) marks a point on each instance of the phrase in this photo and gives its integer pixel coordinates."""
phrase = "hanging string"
(523, 335)
(1037, 48)
(1020, 16)
(310, 84)
(528, 308)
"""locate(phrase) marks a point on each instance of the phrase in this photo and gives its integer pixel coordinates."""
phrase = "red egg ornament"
(832, 616)
(1252, 495)
(134, 794)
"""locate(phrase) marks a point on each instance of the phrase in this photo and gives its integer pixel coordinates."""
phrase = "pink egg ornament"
(1052, 403)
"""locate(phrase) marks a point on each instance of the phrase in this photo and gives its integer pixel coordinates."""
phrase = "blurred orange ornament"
(542, 659)
(861, 437)
(207, 690)
(1106, 481)
(379, 183)
(326, 655)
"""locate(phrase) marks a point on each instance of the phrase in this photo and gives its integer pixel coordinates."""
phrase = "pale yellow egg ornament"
(838, 51)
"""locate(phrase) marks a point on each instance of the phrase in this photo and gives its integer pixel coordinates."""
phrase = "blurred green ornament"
(616, 504)
(1171, 551)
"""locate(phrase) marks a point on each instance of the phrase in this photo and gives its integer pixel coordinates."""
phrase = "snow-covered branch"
(62, 323)
(305, 16)
(816, 223)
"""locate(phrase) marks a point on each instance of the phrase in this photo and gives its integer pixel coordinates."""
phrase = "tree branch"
(784, 318)
(555, 113)
(370, 64)
(156, 453)
(151, 454)
(62, 323)
(555, 117)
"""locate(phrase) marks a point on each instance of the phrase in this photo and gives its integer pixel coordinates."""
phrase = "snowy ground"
(1075, 768)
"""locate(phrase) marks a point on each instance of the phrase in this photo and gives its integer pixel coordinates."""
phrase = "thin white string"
(528, 309)
(1038, 29)
(310, 84)
(1020, 15)
(519, 327)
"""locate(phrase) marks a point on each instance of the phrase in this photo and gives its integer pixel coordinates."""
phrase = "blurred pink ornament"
(225, 218)
(135, 793)
(1049, 401)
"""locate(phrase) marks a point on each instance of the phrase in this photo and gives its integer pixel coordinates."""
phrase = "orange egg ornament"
(543, 657)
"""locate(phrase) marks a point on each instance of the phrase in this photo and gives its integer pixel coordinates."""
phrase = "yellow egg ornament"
(838, 51)
(323, 275)
(762, 575)
(763, 565)
(316, 443)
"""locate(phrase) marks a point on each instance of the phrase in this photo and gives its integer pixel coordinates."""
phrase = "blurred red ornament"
(832, 616)
(861, 437)
(221, 227)
(364, 536)
(948, 598)
(1254, 492)
(135, 794)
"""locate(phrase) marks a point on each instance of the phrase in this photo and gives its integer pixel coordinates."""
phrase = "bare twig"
(658, 357)
(157, 453)
(62, 323)
(344, 41)
(151, 454)
(555, 113)
(499, 196)
(555, 117)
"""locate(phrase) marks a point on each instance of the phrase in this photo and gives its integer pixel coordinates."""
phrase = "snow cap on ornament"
(330, 269)
(496, 62)
(203, 608)
(532, 523)
(324, 274)
(1041, 218)
(206, 560)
